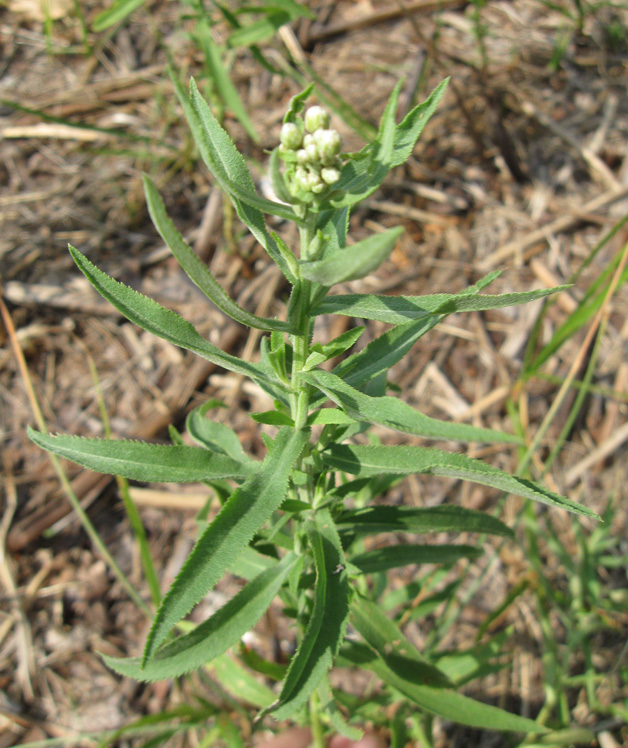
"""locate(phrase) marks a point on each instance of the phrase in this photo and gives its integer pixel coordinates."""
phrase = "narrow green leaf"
(232, 169)
(328, 623)
(197, 271)
(115, 14)
(155, 463)
(221, 79)
(385, 637)
(164, 323)
(215, 436)
(215, 635)
(273, 418)
(353, 262)
(394, 413)
(250, 563)
(246, 510)
(446, 518)
(398, 664)
(328, 416)
(404, 460)
(259, 31)
(409, 130)
(334, 226)
(239, 682)
(399, 310)
(394, 556)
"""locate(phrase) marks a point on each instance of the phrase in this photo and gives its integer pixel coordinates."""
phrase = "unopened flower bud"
(290, 136)
(311, 152)
(302, 157)
(330, 175)
(316, 118)
(301, 179)
(328, 145)
(308, 140)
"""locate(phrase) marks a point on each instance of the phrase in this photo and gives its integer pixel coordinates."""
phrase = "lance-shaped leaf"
(352, 262)
(196, 270)
(227, 164)
(363, 174)
(215, 635)
(246, 510)
(155, 463)
(217, 437)
(390, 347)
(393, 556)
(399, 310)
(446, 518)
(164, 323)
(394, 413)
(410, 128)
(397, 662)
(328, 622)
(404, 460)
(232, 168)
(387, 640)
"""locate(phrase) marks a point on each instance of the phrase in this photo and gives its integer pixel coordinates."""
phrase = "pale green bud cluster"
(311, 151)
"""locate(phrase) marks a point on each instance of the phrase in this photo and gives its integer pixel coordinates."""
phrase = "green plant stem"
(318, 734)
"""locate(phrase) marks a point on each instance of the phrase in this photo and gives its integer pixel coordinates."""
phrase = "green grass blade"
(196, 270)
(154, 463)
(117, 13)
(246, 510)
(394, 556)
(403, 460)
(394, 413)
(215, 635)
(220, 78)
(353, 262)
(447, 518)
(164, 323)
(328, 623)
(399, 310)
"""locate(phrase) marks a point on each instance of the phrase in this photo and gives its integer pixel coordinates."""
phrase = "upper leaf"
(155, 463)
(394, 413)
(399, 310)
(365, 171)
(409, 130)
(394, 556)
(353, 262)
(215, 635)
(196, 270)
(233, 170)
(446, 518)
(328, 622)
(165, 323)
(405, 460)
(246, 510)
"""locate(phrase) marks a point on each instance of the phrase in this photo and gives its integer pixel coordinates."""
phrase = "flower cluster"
(312, 151)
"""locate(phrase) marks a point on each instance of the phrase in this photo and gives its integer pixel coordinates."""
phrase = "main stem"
(300, 319)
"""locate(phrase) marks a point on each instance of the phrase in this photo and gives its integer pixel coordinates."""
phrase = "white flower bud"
(301, 179)
(290, 136)
(308, 140)
(328, 145)
(316, 118)
(302, 157)
(330, 175)
(311, 152)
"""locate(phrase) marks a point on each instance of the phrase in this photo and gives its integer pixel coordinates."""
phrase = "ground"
(523, 168)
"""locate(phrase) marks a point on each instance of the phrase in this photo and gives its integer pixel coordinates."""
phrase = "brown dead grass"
(563, 134)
